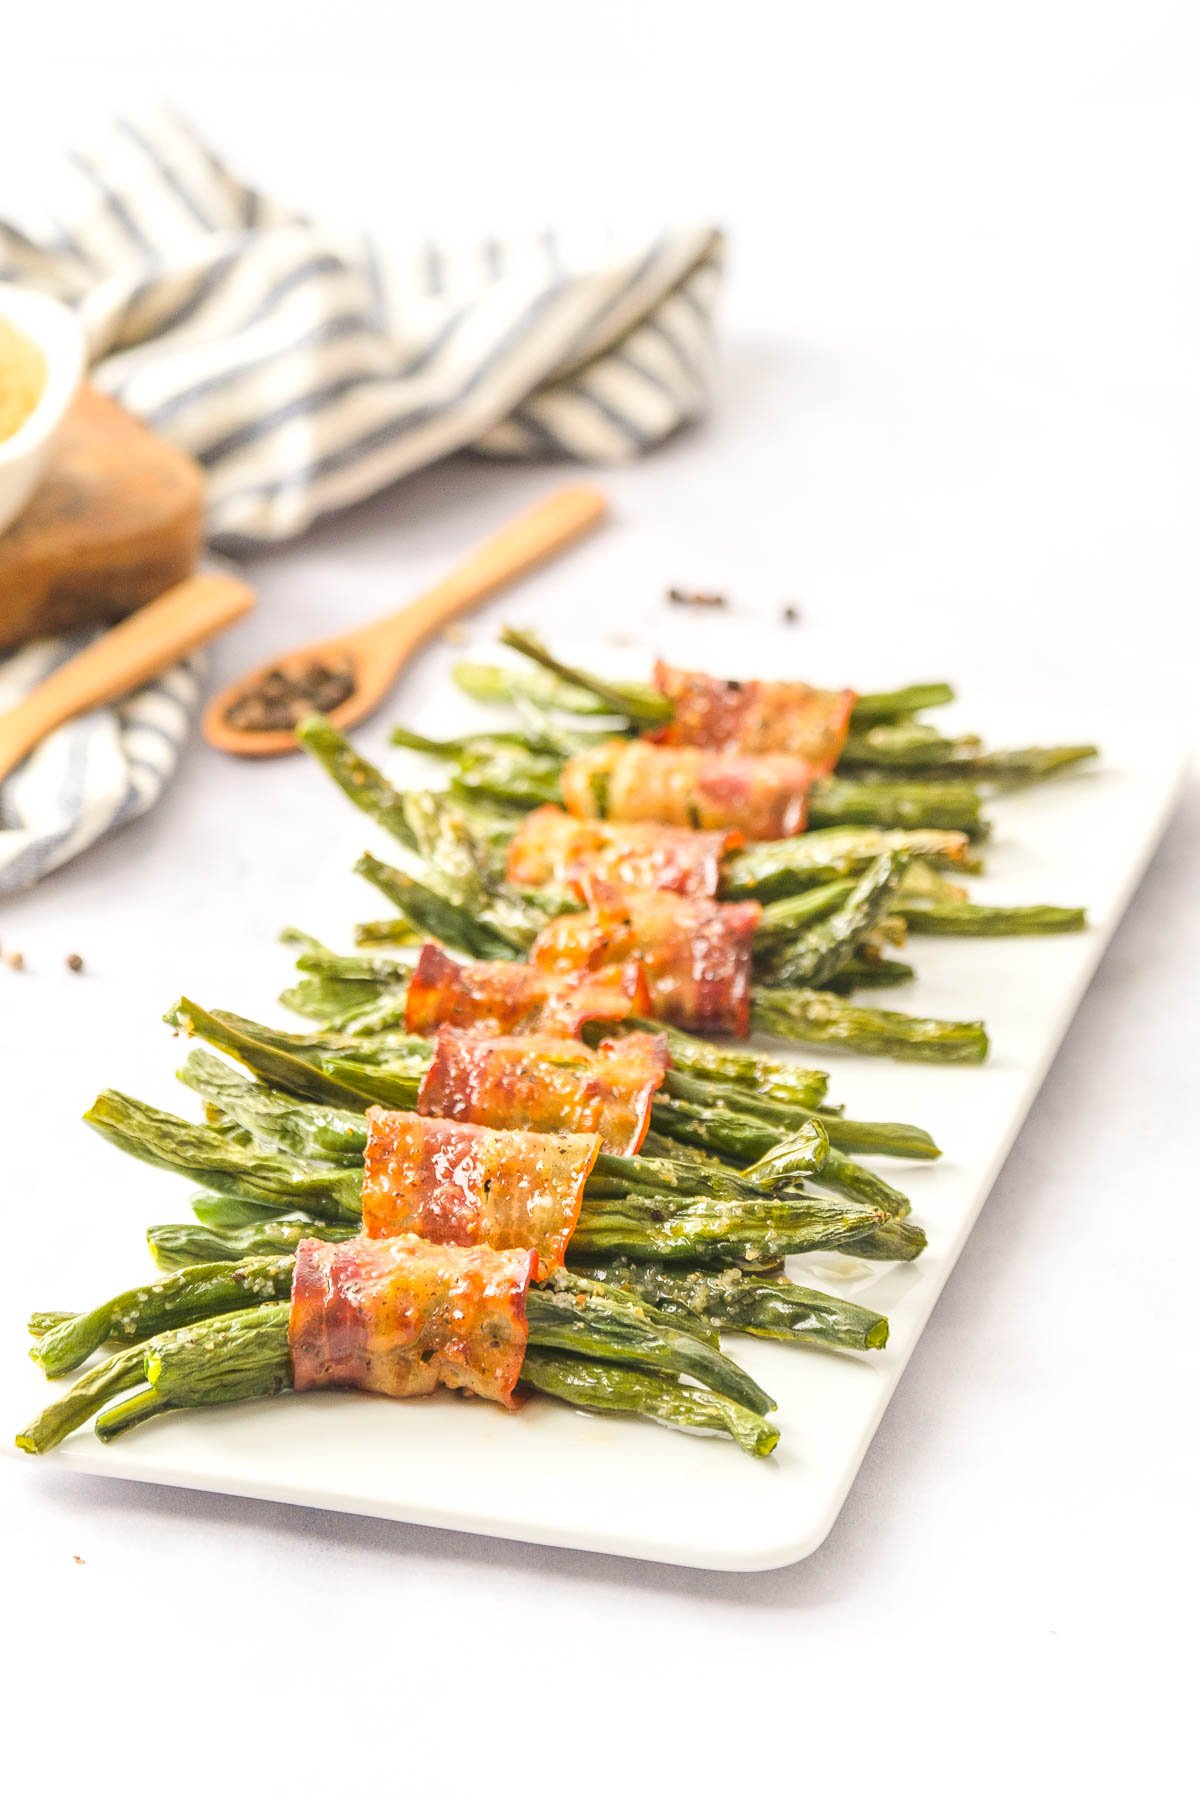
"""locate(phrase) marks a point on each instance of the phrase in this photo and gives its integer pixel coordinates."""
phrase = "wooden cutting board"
(116, 521)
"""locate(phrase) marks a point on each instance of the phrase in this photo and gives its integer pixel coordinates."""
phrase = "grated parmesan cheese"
(22, 378)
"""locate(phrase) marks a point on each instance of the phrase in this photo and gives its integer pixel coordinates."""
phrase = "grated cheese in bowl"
(22, 378)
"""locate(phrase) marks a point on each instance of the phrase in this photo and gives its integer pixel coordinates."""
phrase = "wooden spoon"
(141, 646)
(375, 654)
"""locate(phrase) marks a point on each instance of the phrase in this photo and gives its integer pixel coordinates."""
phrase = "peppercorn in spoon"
(347, 677)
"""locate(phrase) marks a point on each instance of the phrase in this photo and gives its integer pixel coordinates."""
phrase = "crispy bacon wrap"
(547, 1084)
(399, 1316)
(454, 1183)
(502, 997)
(696, 954)
(756, 716)
(707, 790)
(553, 849)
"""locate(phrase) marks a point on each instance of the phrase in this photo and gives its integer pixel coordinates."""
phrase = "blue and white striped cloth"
(307, 367)
(92, 775)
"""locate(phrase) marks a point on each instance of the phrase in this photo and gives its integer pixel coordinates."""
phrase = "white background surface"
(958, 418)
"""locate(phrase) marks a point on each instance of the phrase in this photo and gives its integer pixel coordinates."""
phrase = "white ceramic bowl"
(56, 331)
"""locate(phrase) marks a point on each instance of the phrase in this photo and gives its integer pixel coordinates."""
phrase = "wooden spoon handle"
(141, 646)
(531, 538)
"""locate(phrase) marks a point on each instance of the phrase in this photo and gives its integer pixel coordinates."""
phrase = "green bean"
(838, 1173)
(387, 931)
(280, 1121)
(41, 1322)
(257, 1175)
(1015, 768)
(666, 1181)
(756, 1305)
(194, 1293)
(870, 972)
(603, 1387)
(634, 700)
(492, 685)
(773, 1080)
(281, 1058)
(772, 871)
(110, 1378)
(901, 745)
(904, 806)
(782, 920)
(880, 1137)
(358, 779)
(296, 1062)
(959, 918)
(224, 1210)
(511, 780)
(810, 1016)
(721, 1236)
(351, 1007)
(241, 1355)
(146, 1405)
(896, 1240)
(873, 709)
(576, 1315)
(823, 950)
(438, 916)
(183, 1246)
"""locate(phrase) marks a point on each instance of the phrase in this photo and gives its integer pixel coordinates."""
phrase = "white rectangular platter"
(549, 1475)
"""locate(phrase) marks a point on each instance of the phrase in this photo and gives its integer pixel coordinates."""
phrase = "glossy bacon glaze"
(454, 1183)
(756, 716)
(553, 849)
(696, 954)
(402, 1317)
(627, 781)
(502, 997)
(547, 1084)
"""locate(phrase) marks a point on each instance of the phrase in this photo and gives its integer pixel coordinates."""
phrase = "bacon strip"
(516, 997)
(452, 1183)
(709, 790)
(756, 716)
(399, 1316)
(551, 848)
(547, 1084)
(696, 954)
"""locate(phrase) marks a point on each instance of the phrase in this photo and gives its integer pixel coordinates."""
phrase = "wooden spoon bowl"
(375, 654)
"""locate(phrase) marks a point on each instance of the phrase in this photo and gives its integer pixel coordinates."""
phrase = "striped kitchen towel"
(91, 775)
(307, 366)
